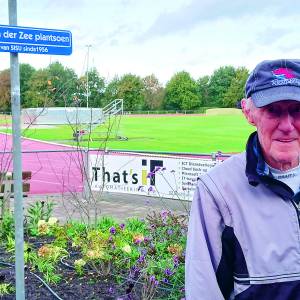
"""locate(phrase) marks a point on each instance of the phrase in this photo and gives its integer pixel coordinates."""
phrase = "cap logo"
(284, 76)
(283, 73)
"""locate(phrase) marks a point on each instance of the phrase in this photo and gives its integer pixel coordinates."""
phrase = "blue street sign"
(35, 40)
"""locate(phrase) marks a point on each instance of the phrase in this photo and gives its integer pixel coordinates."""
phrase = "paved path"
(120, 206)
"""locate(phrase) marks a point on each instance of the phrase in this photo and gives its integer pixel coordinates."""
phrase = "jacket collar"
(257, 171)
(255, 165)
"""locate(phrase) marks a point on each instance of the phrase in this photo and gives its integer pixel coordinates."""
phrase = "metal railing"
(113, 108)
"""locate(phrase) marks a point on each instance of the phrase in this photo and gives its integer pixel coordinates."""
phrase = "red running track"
(52, 172)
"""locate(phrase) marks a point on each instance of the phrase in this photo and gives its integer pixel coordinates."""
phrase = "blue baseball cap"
(274, 80)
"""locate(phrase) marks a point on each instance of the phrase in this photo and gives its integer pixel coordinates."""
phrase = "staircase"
(113, 108)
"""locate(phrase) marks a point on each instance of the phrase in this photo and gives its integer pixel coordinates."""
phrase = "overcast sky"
(163, 36)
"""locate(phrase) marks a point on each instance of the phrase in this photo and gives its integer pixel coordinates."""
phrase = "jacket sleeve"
(204, 247)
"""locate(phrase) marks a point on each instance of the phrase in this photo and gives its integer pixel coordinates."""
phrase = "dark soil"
(90, 286)
(71, 287)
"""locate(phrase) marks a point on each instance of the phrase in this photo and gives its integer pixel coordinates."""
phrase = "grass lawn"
(194, 134)
(5, 119)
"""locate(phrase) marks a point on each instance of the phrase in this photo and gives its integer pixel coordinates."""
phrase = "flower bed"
(137, 259)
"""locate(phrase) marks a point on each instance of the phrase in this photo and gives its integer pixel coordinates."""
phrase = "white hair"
(249, 110)
(249, 105)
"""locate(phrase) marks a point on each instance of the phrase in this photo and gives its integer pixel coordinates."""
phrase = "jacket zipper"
(297, 207)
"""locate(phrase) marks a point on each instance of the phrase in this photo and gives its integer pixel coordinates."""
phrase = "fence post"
(86, 175)
(213, 156)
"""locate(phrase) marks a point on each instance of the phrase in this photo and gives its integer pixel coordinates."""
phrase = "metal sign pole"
(17, 161)
(16, 39)
(87, 75)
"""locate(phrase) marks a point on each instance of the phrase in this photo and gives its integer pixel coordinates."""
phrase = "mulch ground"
(70, 288)
(90, 286)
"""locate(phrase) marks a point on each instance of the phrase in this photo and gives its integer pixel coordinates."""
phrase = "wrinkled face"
(278, 127)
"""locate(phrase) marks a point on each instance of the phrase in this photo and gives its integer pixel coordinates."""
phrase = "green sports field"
(5, 119)
(194, 134)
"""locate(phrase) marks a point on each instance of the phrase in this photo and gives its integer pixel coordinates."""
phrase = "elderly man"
(244, 229)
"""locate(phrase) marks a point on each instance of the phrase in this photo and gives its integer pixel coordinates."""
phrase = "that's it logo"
(128, 176)
(153, 165)
(283, 73)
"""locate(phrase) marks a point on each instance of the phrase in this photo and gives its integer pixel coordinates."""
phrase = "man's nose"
(286, 122)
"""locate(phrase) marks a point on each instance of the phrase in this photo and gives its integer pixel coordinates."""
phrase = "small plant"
(6, 226)
(28, 253)
(149, 287)
(97, 252)
(75, 228)
(36, 212)
(10, 244)
(51, 253)
(79, 266)
(136, 225)
(6, 289)
(105, 223)
(45, 261)
(51, 277)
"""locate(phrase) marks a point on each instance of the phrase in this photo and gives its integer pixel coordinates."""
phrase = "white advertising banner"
(158, 176)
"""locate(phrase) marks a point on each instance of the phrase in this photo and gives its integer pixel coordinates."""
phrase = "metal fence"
(68, 170)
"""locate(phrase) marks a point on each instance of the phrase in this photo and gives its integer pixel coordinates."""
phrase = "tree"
(52, 86)
(96, 89)
(153, 92)
(62, 84)
(219, 84)
(181, 92)
(26, 72)
(202, 85)
(111, 91)
(235, 91)
(5, 91)
(129, 88)
(39, 92)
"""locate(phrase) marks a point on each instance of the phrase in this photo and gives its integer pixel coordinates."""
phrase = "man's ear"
(248, 111)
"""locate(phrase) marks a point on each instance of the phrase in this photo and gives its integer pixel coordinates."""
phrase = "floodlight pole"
(87, 75)
(17, 160)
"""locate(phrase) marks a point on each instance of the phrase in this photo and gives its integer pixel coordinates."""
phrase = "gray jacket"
(244, 234)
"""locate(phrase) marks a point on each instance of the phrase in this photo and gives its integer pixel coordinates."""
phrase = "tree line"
(59, 86)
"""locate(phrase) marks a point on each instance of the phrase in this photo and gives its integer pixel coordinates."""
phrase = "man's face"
(278, 127)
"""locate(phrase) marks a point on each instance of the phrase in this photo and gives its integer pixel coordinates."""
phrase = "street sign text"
(35, 40)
